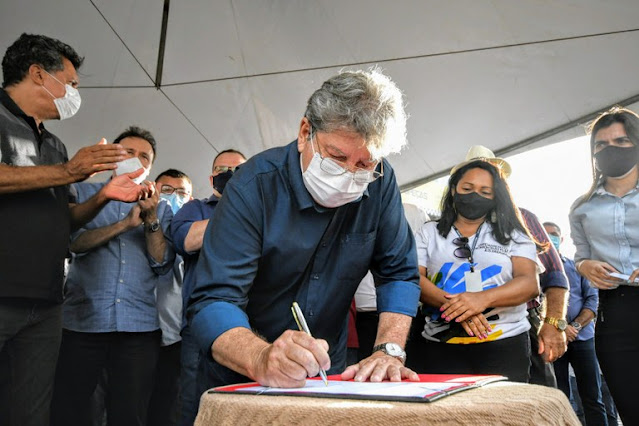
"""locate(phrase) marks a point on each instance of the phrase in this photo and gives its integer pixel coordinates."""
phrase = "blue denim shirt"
(112, 287)
(193, 211)
(582, 296)
(606, 228)
(267, 231)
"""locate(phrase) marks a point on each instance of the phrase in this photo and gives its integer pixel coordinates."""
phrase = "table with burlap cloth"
(503, 403)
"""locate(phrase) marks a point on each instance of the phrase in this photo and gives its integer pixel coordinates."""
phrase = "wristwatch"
(577, 325)
(392, 349)
(153, 226)
(559, 323)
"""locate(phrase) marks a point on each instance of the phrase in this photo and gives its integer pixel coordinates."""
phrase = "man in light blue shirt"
(110, 318)
(580, 333)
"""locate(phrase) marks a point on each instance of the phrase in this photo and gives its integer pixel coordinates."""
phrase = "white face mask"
(129, 166)
(69, 104)
(330, 190)
(142, 177)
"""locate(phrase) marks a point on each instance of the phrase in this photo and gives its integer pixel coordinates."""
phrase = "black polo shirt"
(35, 224)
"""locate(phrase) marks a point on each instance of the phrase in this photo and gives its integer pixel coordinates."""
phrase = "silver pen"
(301, 323)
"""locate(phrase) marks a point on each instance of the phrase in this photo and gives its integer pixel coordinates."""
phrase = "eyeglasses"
(168, 190)
(463, 249)
(224, 169)
(337, 168)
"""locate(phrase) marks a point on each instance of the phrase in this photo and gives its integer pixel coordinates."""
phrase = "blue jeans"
(581, 355)
(30, 334)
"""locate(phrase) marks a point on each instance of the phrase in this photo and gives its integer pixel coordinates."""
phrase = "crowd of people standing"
(167, 296)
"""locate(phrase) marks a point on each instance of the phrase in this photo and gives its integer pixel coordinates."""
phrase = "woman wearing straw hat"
(478, 267)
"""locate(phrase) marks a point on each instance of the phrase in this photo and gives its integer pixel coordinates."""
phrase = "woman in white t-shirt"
(478, 267)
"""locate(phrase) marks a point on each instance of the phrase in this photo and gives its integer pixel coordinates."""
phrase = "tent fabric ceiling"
(237, 73)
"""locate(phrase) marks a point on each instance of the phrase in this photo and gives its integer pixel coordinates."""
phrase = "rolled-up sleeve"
(394, 263)
(590, 295)
(181, 225)
(225, 272)
(161, 268)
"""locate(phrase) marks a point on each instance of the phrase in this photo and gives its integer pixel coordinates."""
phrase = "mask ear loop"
(310, 137)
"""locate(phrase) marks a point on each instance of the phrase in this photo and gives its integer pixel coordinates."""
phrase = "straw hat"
(480, 152)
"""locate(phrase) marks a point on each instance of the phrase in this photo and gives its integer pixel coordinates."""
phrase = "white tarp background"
(237, 73)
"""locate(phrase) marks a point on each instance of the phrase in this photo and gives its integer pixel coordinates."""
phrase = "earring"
(493, 217)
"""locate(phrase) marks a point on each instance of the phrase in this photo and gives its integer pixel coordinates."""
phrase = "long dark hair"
(630, 122)
(506, 215)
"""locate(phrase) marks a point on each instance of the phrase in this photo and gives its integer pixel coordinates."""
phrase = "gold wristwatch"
(559, 323)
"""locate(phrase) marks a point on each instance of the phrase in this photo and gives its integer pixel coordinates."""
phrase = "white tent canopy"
(237, 73)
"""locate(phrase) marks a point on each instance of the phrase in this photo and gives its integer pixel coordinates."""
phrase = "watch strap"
(153, 226)
(558, 323)
(400, 353)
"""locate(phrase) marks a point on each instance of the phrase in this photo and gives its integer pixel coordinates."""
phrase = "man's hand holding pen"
(287, 362)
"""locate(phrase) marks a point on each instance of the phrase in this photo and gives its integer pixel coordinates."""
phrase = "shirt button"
(121, 281)
(323, 244)
(316, 277)
(123, 261)
(122, 214)
(117, 300)
(123, 244)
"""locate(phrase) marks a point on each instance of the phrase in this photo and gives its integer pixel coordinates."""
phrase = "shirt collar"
(600, 190)
(10, 104)
(302, 196)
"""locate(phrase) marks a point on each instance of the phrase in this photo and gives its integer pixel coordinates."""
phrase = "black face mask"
(472, 206)
(615, 161)
(220, 181)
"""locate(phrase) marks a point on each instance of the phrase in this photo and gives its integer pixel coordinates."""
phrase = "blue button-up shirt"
(193, 211)
(582, 296)
(606, 228)
(112, 287)
(270, 244)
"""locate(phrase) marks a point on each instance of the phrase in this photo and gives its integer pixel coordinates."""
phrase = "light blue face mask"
(174, 201)
(555, 240)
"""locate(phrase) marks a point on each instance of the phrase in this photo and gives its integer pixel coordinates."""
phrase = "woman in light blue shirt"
(605, 230)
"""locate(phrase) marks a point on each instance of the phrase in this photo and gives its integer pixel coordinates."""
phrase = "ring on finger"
(470, 321)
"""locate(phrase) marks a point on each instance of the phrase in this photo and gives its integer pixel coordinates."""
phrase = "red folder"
(430, 387)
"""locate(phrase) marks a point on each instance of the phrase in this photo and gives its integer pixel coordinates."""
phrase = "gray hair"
(365, 102)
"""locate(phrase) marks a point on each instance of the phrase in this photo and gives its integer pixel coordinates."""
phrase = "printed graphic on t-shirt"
(451, 279)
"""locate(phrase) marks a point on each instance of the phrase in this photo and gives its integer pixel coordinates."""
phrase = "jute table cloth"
(495, 404)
